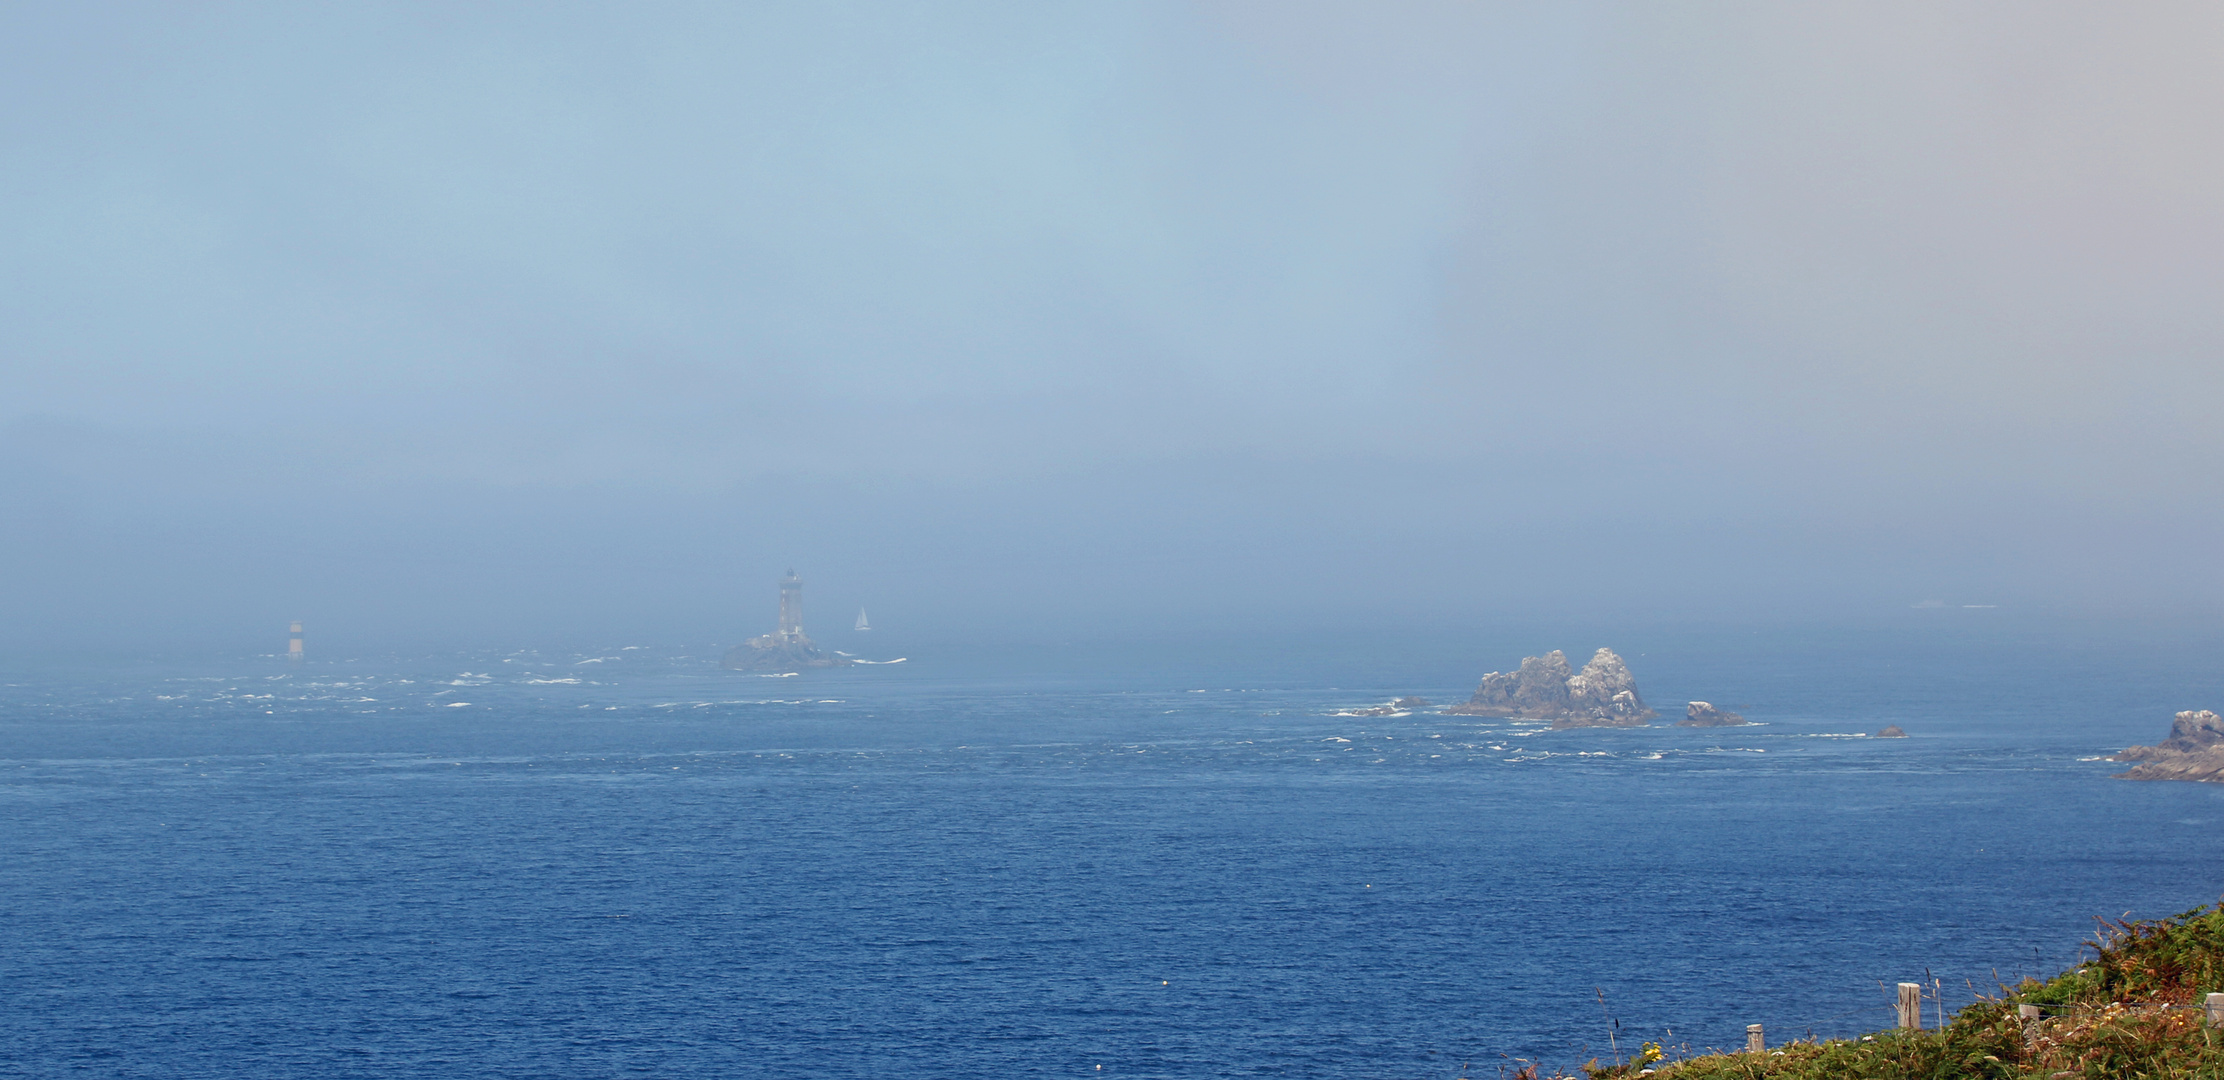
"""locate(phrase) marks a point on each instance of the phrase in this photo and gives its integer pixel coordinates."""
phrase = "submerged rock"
(1603, 694)
(1891, 731)
(1396, 707)
(1702, 714)
(2194, 751)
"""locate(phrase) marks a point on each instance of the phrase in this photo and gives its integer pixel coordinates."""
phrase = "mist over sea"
(1173, 381)
(1164, 861)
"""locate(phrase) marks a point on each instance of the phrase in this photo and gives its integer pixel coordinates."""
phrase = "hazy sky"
(513, 322)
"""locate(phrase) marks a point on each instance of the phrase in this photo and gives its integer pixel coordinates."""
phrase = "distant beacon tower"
(293, 648)
(791, 606)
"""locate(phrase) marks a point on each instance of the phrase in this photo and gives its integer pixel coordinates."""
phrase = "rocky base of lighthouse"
(780, 654)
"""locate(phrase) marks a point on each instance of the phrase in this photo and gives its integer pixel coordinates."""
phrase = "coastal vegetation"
(2134, 1010)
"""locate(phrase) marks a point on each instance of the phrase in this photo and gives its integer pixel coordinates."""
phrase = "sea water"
(626, 861)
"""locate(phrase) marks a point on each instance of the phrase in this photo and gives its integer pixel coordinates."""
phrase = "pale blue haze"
(459, 325)
(1163, 377)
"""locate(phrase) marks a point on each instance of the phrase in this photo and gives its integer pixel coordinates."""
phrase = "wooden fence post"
(2213, 1008)
(1911, 1006)
(1754, 1042)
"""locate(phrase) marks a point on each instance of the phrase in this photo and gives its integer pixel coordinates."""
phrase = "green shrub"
(2130, 1012)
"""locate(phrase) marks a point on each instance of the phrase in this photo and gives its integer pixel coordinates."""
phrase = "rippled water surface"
(629, 862)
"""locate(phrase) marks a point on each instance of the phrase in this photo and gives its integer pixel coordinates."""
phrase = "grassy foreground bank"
(2134, 1011)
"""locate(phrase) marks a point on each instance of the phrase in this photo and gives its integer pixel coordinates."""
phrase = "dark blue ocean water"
(1078, 863)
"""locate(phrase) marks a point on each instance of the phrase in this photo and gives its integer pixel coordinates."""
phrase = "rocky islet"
(1603, 694)
(2194, 751)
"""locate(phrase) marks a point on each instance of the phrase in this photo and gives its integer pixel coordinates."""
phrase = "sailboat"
(861, 623)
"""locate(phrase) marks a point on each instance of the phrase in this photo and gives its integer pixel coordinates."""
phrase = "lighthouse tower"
(785, 649)
(791, 607)
(293, 647)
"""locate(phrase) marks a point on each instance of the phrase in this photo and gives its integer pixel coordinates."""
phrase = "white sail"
(861, 623)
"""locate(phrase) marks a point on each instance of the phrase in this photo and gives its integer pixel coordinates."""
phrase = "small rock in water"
(1397, 707)
(1891, 731)
(1702, 714)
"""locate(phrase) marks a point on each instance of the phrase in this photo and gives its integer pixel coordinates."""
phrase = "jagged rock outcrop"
(1603, 694)
(1538, 691)
(1891, 731)
(1702, 714)
(2194, 751)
